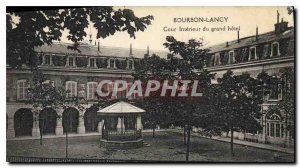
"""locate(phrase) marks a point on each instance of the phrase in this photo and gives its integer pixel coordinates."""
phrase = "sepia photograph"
(150, 84)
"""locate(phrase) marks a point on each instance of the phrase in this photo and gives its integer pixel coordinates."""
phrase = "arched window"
(91, 90)
(22, 86)
(71, 87)
(274, 126)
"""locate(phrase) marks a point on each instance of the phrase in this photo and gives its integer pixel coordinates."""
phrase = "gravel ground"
(166, 146)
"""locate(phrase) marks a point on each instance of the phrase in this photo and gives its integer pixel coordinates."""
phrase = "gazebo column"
(119, 125)
(123, 123)
(139, 122)
(100, 126)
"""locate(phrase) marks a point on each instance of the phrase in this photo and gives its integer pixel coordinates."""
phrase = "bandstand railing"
(126, 135)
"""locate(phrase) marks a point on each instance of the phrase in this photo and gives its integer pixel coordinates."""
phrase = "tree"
(27, 30)
(185, 62)
(43, 94)
(236, 105)
(189, 67)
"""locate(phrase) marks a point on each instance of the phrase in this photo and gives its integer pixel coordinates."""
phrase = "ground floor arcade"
(22, 121)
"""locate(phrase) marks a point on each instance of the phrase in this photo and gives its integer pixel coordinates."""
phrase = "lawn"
(166, 146)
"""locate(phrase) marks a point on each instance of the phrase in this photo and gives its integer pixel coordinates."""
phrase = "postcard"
(150, 84)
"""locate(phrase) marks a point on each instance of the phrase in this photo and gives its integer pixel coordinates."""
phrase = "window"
(275, 49)
(91, 90)
(47, 60)
(274, 126)
(92, 62)
(71, 61)
(231, 59)
(252, 53)
(22, 86)
(112, 63)
(217, 59)
(130, 64)
(71, 87)
(276, 92)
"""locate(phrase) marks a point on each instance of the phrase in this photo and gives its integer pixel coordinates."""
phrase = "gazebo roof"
(121, 107)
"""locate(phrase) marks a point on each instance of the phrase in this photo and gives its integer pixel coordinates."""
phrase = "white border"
(3, 5)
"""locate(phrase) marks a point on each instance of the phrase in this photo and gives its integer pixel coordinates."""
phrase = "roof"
(251, 40)
(92, 50)
(121, 107)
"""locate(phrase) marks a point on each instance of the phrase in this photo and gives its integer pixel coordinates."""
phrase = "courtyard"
(166, 146)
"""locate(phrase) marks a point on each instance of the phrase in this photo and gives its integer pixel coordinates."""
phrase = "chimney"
(130, 49)
(227, 44)
(98, 46)
(238, 36)
(256, 37)
(148, 53)
(280, 27)
(278, 17)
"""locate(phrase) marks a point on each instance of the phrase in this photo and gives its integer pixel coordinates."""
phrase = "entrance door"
(23, 119)
(47, 120)
(70, 120)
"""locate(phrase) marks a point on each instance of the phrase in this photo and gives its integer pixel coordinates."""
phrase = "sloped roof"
(251, 40)
(92, 50)
(121, 107)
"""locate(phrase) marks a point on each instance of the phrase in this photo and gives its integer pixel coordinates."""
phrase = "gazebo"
(121, 126)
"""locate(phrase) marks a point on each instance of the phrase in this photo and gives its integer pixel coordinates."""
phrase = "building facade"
(269, 52)
(77, 72)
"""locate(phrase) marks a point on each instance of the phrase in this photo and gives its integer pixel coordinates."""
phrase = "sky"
(247, 18)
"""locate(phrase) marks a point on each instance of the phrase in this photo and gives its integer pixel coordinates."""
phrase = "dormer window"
(112, 63)
(217, 59)
(47, 60)
(231, 59)
(275, 49)
(130, 64)
(92, 62)
(252, 53)
(71, 61)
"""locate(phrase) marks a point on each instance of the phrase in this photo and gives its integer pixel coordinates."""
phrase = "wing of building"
(79, 72)
(269, 52)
